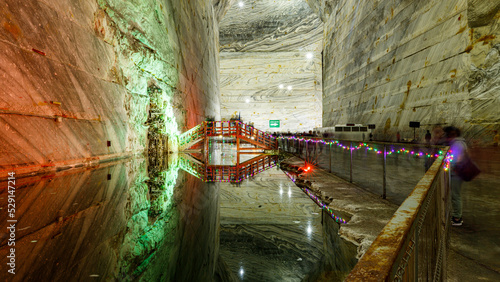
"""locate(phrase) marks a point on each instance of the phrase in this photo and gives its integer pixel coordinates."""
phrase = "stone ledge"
(366, 213)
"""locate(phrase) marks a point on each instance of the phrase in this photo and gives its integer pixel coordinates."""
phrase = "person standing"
(428, 137)
(458, 149)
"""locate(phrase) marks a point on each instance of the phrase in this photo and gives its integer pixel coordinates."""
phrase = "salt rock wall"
(78, 77)
(250, 88)
(484, 72)
(392, 62)
(263, 45)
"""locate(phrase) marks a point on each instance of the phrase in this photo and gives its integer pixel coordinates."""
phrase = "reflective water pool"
(127, 221)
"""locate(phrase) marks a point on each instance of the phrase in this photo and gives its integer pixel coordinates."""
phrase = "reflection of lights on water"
(289, 88)
(281, 191)
(289, 192)
(242, 272)
(309, 230)
(281, 86)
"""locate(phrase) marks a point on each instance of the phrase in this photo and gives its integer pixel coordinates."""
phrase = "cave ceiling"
(270, 25)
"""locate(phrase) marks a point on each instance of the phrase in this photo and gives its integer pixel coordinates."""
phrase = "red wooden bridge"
(227, 173)
(248, 139)
(233, 128)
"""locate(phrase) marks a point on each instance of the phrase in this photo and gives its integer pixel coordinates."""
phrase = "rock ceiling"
(270, 25)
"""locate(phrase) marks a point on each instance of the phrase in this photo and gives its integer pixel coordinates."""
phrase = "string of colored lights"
(359, 145)
(447, 160)
(318, 201)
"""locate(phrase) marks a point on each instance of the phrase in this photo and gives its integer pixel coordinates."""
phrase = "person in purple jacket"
(458, 150)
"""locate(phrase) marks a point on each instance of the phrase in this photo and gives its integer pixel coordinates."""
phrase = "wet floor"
(477, 242)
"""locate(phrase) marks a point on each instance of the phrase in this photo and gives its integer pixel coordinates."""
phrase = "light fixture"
(309, 55)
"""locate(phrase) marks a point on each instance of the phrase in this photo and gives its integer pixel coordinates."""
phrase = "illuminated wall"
(78, 77)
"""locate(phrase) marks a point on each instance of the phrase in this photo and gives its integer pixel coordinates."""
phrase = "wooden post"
(237, 145)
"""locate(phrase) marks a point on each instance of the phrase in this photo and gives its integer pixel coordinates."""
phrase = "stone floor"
(475, 246)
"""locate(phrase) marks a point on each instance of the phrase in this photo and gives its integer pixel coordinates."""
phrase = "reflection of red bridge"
(257, 142)
(233, 128)
(227, 173)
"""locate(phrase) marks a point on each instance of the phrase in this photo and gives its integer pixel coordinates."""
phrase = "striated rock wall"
(250, 87)
(77, 76)
(264, 44)
(484, 72)
(392, 62)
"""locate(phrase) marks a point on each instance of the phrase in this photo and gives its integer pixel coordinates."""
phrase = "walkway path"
(475, 246)
(366, 213)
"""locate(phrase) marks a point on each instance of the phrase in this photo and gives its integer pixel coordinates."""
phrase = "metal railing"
(399, 165)
(412, 246)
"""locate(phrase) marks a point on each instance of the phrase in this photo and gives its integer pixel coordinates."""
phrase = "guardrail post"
(384, 183)
(415, 256)
(330, 157)
(350, 164)
(307, 148)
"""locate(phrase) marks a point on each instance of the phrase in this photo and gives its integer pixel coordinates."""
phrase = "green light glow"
(167, 180)
(152, 221)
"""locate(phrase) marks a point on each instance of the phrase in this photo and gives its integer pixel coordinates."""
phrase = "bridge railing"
(238, 129)
(412, 246)
(253, 135)
(186, 139)
(228, 173)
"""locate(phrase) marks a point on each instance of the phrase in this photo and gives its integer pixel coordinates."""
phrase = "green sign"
(274, 123)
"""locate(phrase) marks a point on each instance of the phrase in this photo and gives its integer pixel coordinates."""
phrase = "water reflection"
(112, 222)
(224, 161)
(149, 220)
(270, 235)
